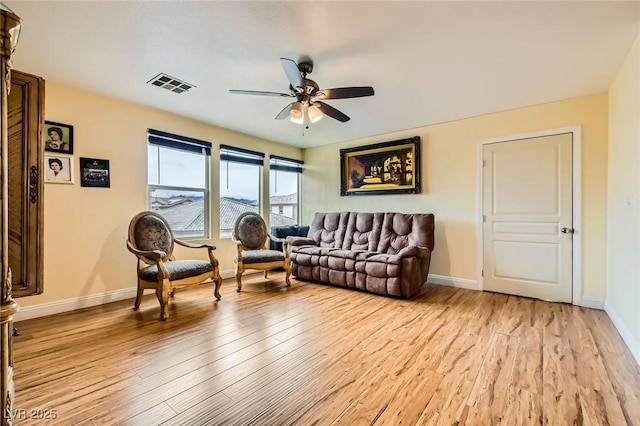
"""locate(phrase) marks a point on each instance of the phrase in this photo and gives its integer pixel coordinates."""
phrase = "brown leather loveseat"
(383, 253)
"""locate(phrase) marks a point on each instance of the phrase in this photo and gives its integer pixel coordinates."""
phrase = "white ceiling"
(429, 62)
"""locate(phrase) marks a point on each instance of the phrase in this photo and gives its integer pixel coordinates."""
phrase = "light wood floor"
(315, 354)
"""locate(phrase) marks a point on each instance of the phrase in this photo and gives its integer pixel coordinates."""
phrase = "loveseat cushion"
(401, 230)
(363, 231)
(328, 229)
(345, 260)
(350, 254)
(310, 255)
(393, 259)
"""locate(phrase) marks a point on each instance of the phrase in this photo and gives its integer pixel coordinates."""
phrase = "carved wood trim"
(9, 31)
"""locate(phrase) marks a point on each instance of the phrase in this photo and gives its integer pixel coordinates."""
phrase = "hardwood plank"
(561, 393)
(460, 367)
(317, 354)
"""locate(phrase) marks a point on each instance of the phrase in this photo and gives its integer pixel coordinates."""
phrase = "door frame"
(576, 132)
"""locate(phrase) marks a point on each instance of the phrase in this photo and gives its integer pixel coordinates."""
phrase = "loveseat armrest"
(415, 251)
(301, 241)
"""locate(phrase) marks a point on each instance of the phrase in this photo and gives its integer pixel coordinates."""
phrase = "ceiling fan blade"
(345, 92)
(285, 112)
(332, 112)
(261, 93)
(292, 72)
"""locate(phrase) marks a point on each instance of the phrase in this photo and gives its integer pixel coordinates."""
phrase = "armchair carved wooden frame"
(151, 240)
(251, 238)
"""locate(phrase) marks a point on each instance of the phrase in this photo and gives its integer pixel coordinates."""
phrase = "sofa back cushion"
(363, 231)
(378, 232)
(327, 229)
(401, 230)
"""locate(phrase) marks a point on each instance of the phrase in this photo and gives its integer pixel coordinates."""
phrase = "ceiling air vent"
(170, 83)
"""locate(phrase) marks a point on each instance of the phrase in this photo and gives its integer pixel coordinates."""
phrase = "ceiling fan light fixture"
(315, 114)
(295, 113)
(308, 107)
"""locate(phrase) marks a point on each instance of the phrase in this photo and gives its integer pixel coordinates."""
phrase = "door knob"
(567, 230)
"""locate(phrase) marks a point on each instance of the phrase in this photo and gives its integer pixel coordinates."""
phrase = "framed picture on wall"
(58, 137)
(383, 168)
(95, 173)
(58, 169)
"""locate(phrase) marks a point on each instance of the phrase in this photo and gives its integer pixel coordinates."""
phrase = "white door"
(527, 214)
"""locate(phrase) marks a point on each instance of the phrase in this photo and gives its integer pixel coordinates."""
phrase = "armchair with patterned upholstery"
(250, 235)
(152, 241)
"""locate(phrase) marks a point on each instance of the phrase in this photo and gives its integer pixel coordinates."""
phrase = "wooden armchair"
(152, 241)
(250, 235)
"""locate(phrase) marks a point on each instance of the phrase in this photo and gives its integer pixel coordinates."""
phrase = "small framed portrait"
(58, 137)
(95, 173)
(58, 169)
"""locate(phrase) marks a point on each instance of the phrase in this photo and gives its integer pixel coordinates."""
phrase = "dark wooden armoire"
(21, 197)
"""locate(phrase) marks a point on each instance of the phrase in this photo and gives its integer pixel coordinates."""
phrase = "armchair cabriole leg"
(287, 267)
(239, 280)
(136, 305)
(162, 293)
(218, 283)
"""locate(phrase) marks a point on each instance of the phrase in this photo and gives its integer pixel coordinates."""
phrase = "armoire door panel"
(25, 159)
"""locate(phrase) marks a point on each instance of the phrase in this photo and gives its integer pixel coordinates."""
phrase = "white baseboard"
(229, 273)
(632, 343)
(453, 282)
(591, 302)
(59, 306)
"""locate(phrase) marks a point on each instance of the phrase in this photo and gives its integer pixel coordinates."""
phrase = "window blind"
(284, 164)
(240, 155)
(169, 140)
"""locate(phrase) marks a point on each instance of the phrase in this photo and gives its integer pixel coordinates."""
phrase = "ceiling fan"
(308, 105)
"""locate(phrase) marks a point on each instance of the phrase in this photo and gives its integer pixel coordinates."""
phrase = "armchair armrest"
(301, 241)
(276, 239)
(283, 241)
(190, 245)
(210, 248)
(239, 246)
(156, 255)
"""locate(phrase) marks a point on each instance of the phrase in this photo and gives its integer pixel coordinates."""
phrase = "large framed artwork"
(383, 168)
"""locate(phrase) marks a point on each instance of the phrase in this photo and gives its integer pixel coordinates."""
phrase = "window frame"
(289, 165)
(232, 154)
(164, 140)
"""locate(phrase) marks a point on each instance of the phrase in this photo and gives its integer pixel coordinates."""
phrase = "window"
(240, 171)
(284, 184)
(178, 179)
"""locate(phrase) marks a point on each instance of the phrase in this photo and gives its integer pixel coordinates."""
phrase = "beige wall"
(449, 181)
(623, 290)
(86, 228)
